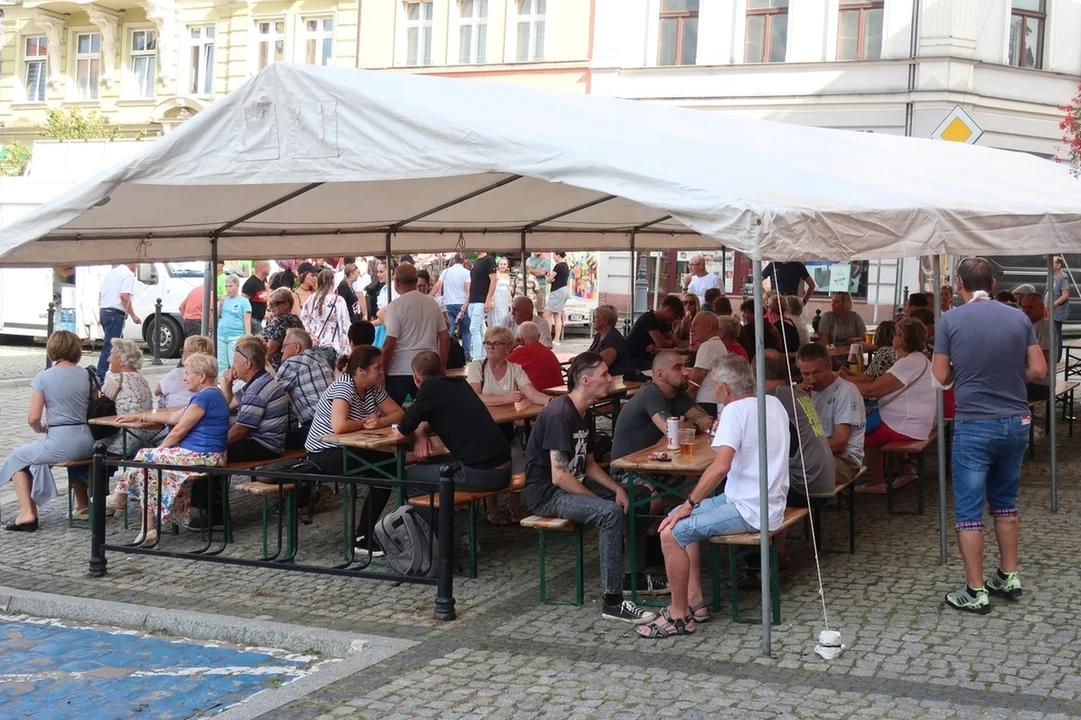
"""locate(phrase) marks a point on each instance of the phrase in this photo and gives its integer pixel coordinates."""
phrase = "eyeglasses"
(493, 344)
(242, 354)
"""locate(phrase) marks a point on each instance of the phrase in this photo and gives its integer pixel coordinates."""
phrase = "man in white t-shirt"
(117, 290)
(705, 330)
(521, 310)
(736, 510)
(454, 282)
(839, 405)
(415, 323)
(700, 279)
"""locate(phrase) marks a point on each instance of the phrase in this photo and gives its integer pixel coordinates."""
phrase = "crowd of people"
(309, 353)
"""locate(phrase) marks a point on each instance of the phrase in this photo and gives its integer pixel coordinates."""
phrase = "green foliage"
(73, 125)
(14, 158)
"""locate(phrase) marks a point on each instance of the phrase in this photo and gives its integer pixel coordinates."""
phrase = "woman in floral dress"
(198, 438)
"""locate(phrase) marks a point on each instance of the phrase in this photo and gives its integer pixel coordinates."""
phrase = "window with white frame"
(530, 18)
(319, 41)
(270, 35)
(35, 73)
(87, 65)
(472, 31)
(201, 40)
(144, 52)
(418, 33)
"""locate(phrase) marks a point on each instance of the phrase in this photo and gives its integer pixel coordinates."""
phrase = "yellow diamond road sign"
(958, 126)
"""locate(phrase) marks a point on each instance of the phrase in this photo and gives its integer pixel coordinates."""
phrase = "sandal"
(116, 501)
(700, 612)
(664, 626)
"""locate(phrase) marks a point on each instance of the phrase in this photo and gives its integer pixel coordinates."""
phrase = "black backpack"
(102, 407)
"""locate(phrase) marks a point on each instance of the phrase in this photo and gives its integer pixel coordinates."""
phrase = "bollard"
(50, 324)
(444, 597)
(156, 336)
(98, 490)
(905, 294)
(817, 320)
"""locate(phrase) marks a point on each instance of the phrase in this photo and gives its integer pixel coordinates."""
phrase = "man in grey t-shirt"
(1059, 300)
(840, 408)
(809, 448)
(988, 351)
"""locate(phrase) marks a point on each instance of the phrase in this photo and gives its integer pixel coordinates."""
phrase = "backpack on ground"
(407, 540)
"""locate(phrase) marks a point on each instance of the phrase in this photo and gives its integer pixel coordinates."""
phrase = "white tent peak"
(312, 160)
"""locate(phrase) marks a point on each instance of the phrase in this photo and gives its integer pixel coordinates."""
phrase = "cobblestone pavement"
(22, 358)
(55, 670)
(507, 656)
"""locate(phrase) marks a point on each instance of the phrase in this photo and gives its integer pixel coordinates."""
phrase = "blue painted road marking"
(52, 671)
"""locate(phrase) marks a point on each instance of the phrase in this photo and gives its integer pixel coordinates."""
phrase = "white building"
(893, 66)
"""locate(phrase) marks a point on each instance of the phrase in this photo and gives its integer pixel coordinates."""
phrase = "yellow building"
(147, 65)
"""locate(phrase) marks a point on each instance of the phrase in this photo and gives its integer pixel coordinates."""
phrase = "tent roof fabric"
(321, 161)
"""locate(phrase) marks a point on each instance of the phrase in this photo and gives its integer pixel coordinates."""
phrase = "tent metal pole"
(763, 465)
(214, 291)
(208, 280)
(1052, 370)
(390, 269)
(456, 201)
(632, 275)
(524, 272)
(263, 208)
(941, 425)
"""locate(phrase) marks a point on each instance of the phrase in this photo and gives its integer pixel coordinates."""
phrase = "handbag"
(103, 406)
(873, 407)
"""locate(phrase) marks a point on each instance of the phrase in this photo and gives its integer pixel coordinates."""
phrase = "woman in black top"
(345, 291)
(607, 341)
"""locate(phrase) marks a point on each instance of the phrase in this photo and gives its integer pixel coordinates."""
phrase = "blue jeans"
(476, 331)
(713, 516)
(112, 324)
(987, 457)
(455, 322)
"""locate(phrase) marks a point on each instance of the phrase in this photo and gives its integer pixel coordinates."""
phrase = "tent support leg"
(524, 272)
(214, 289)
(390, 269)
(763, 465)
(632, 275)
(941, 424)
(208, 280)
(1052, 370)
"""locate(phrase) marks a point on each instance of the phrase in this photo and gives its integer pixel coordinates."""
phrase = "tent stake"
(941, 424)
(763, 465)
(1052, 370)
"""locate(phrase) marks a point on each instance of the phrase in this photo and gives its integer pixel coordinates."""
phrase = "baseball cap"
(306, 267)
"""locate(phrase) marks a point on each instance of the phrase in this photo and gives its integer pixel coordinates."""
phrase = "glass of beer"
(686, 442)
(869, 338)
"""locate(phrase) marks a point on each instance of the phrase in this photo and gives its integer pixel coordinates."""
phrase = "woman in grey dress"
(58, 403)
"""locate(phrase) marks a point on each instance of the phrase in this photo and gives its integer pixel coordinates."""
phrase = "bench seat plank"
(791, 517)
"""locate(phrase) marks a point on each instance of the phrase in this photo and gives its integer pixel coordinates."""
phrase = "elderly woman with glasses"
(280, 305)
(197, 438)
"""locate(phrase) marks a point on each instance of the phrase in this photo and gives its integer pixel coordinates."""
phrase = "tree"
(1071, 133)
(14, 158)
(73, 125)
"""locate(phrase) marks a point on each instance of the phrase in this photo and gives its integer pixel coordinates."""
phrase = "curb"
(348, 653)
(150, 372)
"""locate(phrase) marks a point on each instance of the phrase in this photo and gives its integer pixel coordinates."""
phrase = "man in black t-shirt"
(255, 290)
(451, 409)
(564, 480)
(785, 278)
(652, 332)
(482, 280)
(558, 295)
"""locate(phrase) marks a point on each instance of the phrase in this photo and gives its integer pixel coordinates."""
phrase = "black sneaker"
(365, 548)
(647, 585)
(200, 523)
(627, 612)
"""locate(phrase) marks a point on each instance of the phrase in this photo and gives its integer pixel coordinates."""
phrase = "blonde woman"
(326, 316)
(171, 388)
(234, 320)
(841, 326)
(198, 438)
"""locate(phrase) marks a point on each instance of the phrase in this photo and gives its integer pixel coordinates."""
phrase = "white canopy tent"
(317, 161)
(336, 159)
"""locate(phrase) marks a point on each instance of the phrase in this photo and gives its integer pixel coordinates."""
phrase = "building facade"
(146, 65)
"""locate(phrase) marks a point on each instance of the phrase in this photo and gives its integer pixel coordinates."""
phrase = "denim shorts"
(713, 516)
(987, 457)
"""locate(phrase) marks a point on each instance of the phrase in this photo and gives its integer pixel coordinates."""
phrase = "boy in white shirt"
(734, 511)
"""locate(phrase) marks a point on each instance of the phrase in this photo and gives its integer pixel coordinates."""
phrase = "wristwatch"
(693, 503)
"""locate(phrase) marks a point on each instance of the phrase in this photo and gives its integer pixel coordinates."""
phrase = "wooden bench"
(1064, 393)
(71, 490)
(792, 517)
(918, 448)
(283, 496)
(564, 528)
(814, 520)
(471, 500)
